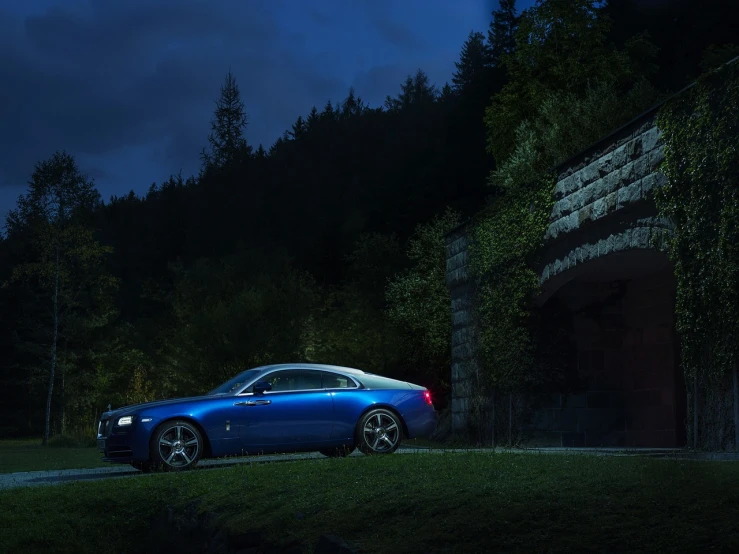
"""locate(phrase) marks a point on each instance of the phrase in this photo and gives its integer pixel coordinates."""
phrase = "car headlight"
(126, 420)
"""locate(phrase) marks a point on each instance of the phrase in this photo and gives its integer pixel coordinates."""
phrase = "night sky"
(128, 87)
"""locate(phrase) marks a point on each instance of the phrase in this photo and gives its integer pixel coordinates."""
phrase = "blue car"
(270, 409)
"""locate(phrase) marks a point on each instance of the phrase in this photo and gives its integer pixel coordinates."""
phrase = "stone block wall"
(463, 355)
(611, 179)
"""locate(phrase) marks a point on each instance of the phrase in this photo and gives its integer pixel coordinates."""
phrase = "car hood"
(135, 408)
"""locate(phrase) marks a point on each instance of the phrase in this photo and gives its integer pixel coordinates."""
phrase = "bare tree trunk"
(62, 395)
(736, 406)
(510, 419)
(53, 349)
(63, 391)
(695, 410)
(492, 411)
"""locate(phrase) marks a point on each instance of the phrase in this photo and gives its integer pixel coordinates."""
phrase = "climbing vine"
(700, 131)
(505, 238)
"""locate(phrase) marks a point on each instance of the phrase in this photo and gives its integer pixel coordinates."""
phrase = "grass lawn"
(472, 502)
(29, 455)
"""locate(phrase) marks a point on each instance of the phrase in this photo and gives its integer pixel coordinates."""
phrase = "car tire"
(338, 452)
(176, 446)
(379, 431)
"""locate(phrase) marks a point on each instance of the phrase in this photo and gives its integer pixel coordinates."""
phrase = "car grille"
(103, 427)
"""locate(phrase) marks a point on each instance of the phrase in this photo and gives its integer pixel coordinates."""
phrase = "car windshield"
(232, 385)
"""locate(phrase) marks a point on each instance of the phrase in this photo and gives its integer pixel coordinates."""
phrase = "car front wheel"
(379, 432)
(176, 445)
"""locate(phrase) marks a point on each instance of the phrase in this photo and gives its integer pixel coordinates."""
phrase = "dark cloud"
(320, 17)
(394, 32)
(128, 87)
(120, 74)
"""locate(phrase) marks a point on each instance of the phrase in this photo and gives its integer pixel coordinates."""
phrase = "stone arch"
(631, 390)
(630, 241)
(600, 260)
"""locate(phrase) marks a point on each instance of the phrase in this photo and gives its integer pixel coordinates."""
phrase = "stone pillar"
(463, 358)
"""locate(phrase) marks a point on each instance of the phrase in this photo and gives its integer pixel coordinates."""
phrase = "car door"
(296, 413)
(348, 403)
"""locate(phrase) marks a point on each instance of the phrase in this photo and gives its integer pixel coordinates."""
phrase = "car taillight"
(427, 397)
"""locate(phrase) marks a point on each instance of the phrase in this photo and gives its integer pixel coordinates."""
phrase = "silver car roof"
(349, 370)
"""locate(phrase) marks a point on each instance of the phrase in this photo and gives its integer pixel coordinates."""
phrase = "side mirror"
(261, 387)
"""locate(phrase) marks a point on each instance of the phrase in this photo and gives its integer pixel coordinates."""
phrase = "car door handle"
(253, 403)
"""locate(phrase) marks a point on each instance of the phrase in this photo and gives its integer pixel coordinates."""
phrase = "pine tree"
(474, 62)
(298, 128)
(416, 90)
(447, 93)
(275, 148)
(227, 140)
(502, 31)
(352, 105)
(313, 118)
(328, 113)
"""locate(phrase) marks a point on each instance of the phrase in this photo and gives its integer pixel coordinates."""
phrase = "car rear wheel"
(339, 452)
(379, 432)
(176, 445)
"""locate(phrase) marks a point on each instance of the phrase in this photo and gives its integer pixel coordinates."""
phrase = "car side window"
(294, 379)
(337, 381)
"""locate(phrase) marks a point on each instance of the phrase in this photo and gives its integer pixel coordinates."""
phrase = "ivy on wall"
(700, 131)
(505, 240)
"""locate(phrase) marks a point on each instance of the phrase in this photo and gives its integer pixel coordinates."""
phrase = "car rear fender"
(390, 408)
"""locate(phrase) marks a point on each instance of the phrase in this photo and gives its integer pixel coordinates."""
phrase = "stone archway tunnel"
(599, 262)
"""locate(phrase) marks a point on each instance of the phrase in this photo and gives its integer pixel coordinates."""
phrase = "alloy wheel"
(381, 432)
(178, 446)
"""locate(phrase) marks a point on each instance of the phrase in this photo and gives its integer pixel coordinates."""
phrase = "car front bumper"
(124, 444)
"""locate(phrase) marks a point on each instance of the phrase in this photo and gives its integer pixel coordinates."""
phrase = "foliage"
(125, 374)
(701, 198)
(561, 47)
(230, 318)
(506, 239)
(351, 327)
(717, 54)
(61, 269)
(567, 122)
(418, 299)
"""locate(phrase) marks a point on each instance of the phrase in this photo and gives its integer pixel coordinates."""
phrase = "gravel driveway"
(36, 478)
(115, 471)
